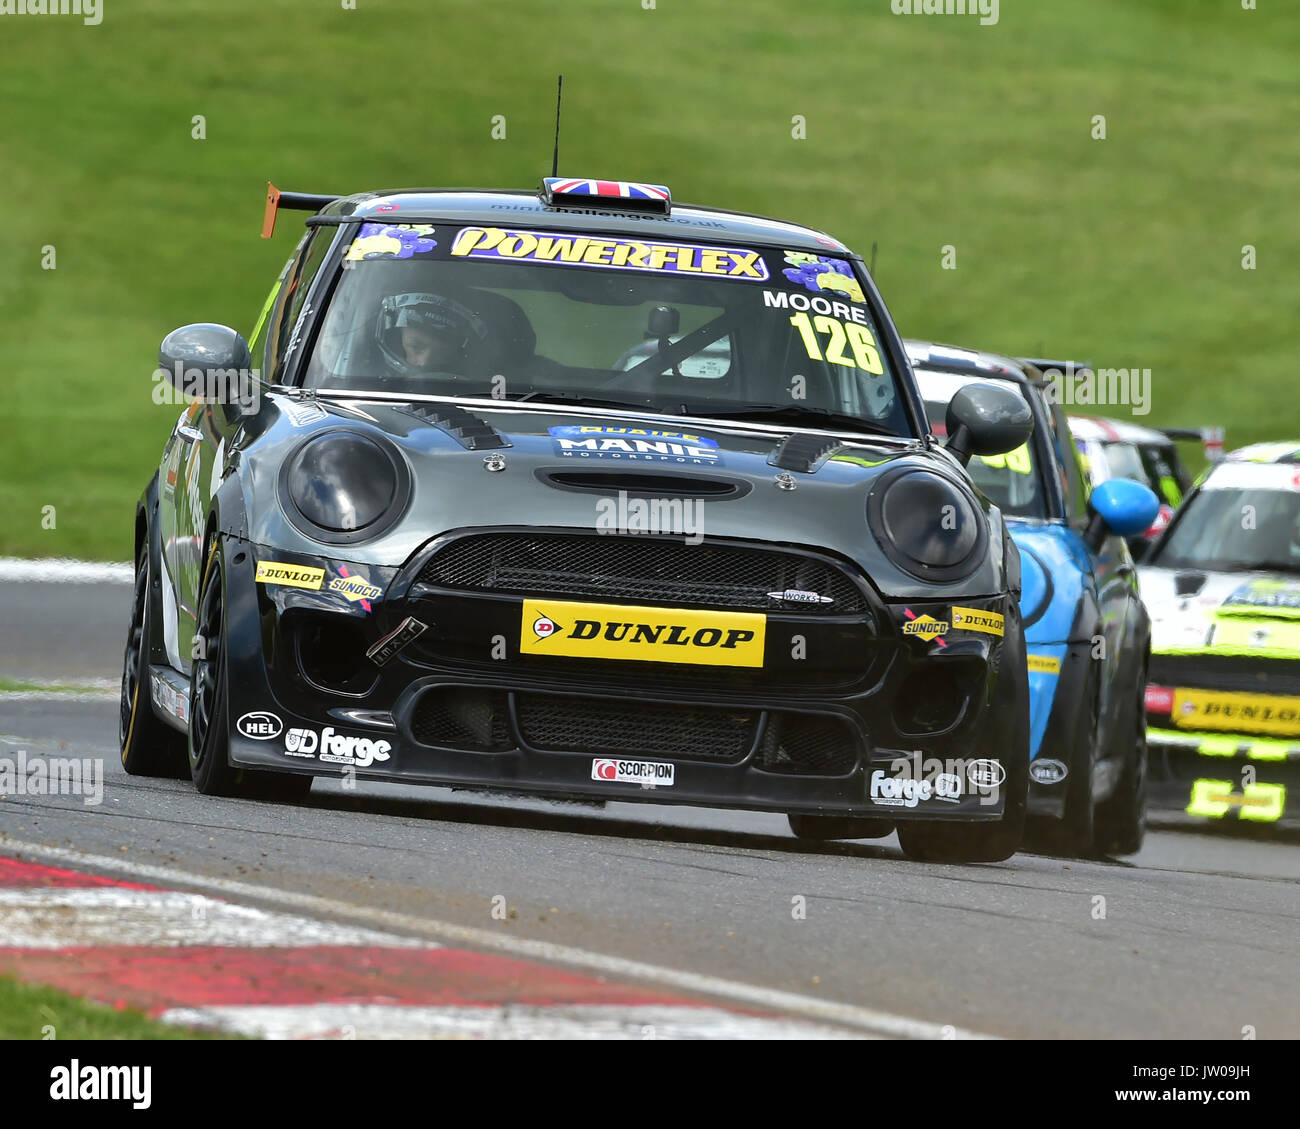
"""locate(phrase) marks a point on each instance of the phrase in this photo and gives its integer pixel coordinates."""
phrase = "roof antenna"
(555, 159)
(872, 269)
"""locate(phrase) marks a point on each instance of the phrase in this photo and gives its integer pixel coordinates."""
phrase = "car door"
(207, 428)
(1113, 571)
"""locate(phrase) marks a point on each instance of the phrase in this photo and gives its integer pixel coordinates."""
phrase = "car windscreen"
(1235, 529)
(454, 310)
(1123, 460)
(1013, 482)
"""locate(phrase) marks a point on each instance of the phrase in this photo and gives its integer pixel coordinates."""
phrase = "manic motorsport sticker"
(633, 444)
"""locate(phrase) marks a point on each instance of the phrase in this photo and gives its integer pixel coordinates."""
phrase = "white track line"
(734, 992)
(61, 570)
(571, 1021)
(62, 917)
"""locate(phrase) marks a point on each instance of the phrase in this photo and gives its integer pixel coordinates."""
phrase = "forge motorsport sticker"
(634, 445)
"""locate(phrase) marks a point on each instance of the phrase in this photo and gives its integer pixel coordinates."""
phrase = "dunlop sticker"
(1044, 664)
(512, 245)
(618, 631)
(1236, 713)
(972, 619)
(289, 575)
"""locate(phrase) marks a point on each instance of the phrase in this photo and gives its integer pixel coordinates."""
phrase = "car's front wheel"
(209, 737)
(150, 747)
(1122, 819)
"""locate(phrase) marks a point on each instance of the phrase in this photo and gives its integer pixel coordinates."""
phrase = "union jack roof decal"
(559, 191)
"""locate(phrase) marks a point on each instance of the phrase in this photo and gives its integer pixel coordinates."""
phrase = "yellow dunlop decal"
(353, 588)
(1044, 664)
(1263, 803)
(617, 631)
(1236, 713)
(290, 575)
(927, 627)
(972, 619)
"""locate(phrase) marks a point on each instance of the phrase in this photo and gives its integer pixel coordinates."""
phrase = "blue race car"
(1087, 633)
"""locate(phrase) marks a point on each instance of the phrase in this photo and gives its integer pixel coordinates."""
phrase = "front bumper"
(1223, 777)
(838, 703)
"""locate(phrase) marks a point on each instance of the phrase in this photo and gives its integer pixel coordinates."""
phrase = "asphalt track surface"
(1195, 937)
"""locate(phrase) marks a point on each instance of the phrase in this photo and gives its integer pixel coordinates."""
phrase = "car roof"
(973, 362)
(497, 206)
(1104, 430)
(1287, 451)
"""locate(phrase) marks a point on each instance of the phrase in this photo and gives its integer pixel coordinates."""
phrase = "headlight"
(927, 524)
(344, 486)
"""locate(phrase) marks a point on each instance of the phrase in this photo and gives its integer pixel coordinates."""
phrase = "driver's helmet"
(438, 333)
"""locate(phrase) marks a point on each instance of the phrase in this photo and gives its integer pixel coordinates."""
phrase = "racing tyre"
(990, 841)
(1073, 836)
(150, 747)
(838, 827)
(209, 737)
(1122, 819)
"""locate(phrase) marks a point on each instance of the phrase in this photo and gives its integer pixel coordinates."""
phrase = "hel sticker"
(1016, 461)
(1236, 713)
(858, 338)
(985, 774)
(924, 626)
(821, 273)
(623, 631)
(973, 619)
(391, 241)
(383, 651)
(631, 444)
(289, 575)
(1263, 803)
(1047, 771)
(1043, 664)
(507, 244)
(648, 773)
(259, 725)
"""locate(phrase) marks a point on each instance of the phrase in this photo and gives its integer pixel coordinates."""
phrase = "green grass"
(921, 132)
(18, 686)
(33, 1011)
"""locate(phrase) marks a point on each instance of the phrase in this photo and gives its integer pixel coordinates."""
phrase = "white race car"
(1222, 586)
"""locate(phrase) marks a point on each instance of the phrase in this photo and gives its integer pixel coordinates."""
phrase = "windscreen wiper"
(789, 413)
(580, 400)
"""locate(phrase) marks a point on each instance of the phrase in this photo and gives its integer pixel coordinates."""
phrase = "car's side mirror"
(1120, 506)
(984, 419)
(211, 363)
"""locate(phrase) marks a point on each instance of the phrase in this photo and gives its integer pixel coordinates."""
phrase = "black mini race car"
(581, 494)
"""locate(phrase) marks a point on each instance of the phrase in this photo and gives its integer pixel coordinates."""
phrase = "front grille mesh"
(807, 745)
(645, 569)
(458, 717)
(568, 723)
(1248, 674)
